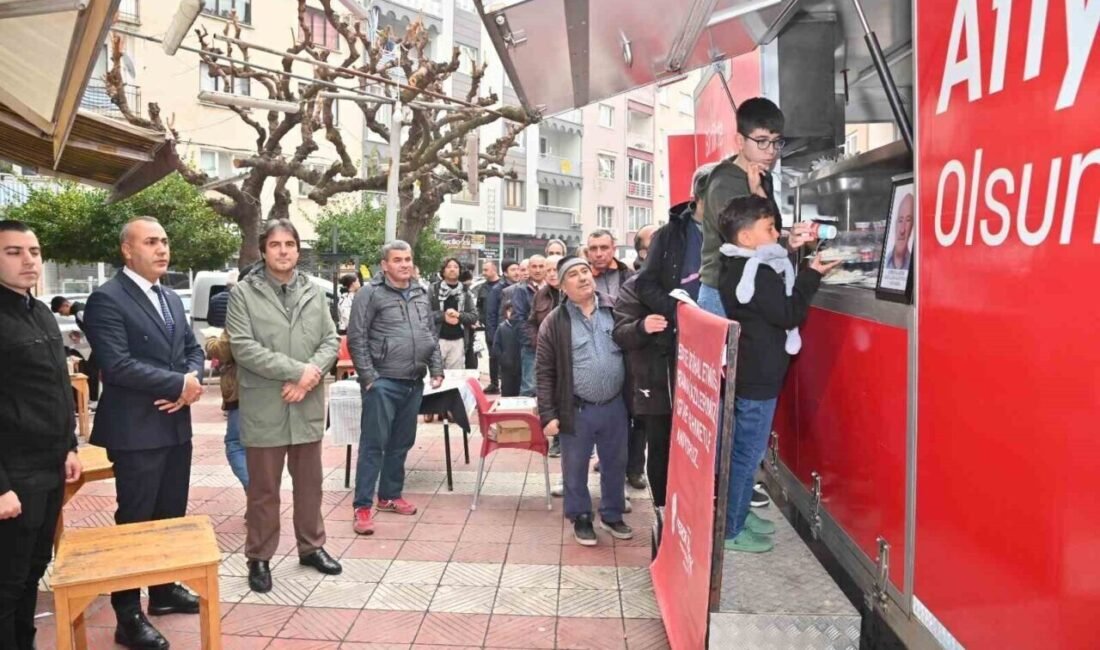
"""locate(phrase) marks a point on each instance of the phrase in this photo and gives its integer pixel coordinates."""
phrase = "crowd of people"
(591, 338)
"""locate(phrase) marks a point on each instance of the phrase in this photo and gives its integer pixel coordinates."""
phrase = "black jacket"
(37, 419)
(647, 355)
(762, 359)
(482, 296)
(663, 269)
(506, 350)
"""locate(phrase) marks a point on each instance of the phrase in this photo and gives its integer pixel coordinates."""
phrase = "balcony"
(97, 100)
(14, 190)
(556, 220)
(566, 122)
(559, 165)
(640, 141)
(638, 190)
(129, 12)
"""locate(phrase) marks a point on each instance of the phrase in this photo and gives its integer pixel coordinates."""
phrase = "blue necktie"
(164, 311)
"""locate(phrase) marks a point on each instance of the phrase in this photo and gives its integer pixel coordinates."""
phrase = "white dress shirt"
(146, 288)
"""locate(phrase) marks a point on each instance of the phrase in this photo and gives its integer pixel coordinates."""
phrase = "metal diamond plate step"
(782, 599)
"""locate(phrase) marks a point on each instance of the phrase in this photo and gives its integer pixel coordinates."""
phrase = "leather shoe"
(135, 631)
(259, 576)
(321, 561)
(173, 600)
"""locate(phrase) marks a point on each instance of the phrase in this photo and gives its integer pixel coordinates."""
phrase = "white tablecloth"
(345, 405)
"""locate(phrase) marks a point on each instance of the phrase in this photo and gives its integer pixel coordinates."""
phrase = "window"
(319, 102)
(221, 84)
(544, 196)
(607, 116)
(851, 143)
(605, 217)
(638, 217)
(468, 56)
(515, 193)
(222, 9)
(640, 178)
(687, 104)
(606, 164)
(322, 32)
(465, 196)
(544, 146)
(208, 163)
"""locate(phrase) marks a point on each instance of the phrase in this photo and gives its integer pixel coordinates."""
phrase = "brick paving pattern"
(505, 576)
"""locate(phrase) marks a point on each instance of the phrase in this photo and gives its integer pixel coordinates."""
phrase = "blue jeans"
(752, 426)
(387, 433)
(234, 450)
(710, 300)
(527, 361)
(607, 427)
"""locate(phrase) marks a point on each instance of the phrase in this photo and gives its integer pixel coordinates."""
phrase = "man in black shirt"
(37, 443)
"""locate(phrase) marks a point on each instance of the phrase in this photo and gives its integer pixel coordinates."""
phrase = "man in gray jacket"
(284, 341)
(392, 339)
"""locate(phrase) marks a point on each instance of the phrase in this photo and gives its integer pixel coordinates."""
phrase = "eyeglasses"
(764, 144)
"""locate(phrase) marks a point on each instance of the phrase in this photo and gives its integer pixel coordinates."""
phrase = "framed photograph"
(895, 280)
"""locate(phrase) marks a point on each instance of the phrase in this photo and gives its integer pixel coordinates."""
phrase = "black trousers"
(658, 431)
(150, 484)
(511, 378)
(494, 368)
(26, 545)
(635, 447)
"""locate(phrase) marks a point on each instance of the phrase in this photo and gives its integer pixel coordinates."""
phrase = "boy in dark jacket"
(506, 349)
(759, 290)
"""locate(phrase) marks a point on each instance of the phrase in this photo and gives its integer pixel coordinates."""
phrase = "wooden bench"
(96, 467)
(95, 561)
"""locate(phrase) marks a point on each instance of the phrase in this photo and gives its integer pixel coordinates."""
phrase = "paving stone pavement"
(505, 576)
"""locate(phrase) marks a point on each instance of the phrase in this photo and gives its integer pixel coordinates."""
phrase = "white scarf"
(777, 258)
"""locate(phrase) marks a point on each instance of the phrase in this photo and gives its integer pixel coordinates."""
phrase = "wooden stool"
(96, 467)
(80, 383)
(95, 561)
(344, 369)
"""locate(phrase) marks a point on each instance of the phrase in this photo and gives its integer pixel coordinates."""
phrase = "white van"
(208, 284)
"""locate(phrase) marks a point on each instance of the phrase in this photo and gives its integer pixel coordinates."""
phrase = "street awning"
(100, 151)
(563, 54)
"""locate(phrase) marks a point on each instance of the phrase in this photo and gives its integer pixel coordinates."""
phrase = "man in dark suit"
(152, 372)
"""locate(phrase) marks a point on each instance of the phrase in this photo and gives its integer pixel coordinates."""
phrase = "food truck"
(937, 441)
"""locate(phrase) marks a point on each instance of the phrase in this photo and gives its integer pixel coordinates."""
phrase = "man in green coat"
(284, 342)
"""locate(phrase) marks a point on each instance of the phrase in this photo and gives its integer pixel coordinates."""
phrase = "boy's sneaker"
(618, 529)
(555, 447)
(749, 542)
(492, 389)
(558, 490)
(759, 525)
(398, 506)
(583, 531)
(363, 523)
(760, 498)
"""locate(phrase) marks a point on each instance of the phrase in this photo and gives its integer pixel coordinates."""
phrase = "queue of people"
(589, 338)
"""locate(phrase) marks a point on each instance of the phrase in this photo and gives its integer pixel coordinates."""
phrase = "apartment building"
(213, 136)
(602, 166)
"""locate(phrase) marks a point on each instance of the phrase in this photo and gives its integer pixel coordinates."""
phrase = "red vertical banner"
(681, 572)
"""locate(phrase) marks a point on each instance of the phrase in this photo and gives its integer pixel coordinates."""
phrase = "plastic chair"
(344, 366)
(537, 443)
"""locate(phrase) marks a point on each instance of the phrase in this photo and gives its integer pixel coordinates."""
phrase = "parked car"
(208, 284)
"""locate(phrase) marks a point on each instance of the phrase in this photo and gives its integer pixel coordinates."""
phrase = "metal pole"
(887, 79)
(392, 198)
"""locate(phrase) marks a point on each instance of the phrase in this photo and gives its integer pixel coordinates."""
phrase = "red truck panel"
(851, 377)
(1008, 493)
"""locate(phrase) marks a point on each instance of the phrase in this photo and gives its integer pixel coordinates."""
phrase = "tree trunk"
(248, 220)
